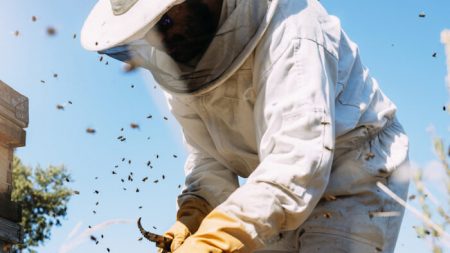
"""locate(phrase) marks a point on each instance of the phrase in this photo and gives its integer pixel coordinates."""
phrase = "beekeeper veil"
(242, 23)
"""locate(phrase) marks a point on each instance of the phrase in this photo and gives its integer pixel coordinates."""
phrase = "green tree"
(43, 195)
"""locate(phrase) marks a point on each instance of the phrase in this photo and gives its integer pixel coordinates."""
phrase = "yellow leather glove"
(178, 233)
(189, 217)
(219, 233)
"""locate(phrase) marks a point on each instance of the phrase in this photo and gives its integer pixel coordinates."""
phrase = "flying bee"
(90, 130)
(51, 31)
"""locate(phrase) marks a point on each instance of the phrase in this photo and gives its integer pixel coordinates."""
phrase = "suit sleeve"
(294, 115)
(206, 177)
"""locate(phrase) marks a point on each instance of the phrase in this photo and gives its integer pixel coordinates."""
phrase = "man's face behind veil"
(187, 29)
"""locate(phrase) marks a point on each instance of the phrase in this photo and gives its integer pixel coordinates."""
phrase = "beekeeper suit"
(279, 97)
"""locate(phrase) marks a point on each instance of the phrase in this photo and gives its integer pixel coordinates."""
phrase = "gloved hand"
(219, 233)
(189, 217)
(178, 233)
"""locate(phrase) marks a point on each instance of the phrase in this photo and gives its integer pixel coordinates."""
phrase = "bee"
(90, 130)
(369, 156)
(327, 215)
(329, 197)
(51, 31)
(130, 66)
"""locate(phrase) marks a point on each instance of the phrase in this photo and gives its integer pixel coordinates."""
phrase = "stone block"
(13, 106)
(13, 119)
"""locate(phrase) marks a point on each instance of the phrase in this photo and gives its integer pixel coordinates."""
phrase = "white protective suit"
(288, 105)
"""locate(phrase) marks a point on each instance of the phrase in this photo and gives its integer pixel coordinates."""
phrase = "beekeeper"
(273, 91)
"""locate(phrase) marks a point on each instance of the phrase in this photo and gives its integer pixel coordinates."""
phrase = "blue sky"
(395, 44)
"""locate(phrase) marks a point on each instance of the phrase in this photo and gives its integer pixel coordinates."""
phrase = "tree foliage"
(433, 208)
(44, 196)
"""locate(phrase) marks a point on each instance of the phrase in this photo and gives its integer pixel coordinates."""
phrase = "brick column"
(13, 119)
